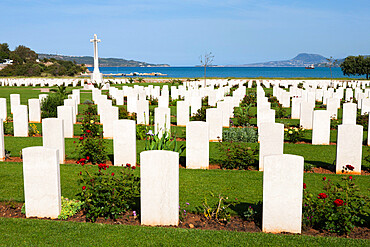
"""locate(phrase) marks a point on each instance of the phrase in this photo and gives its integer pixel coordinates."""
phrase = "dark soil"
(13, 210)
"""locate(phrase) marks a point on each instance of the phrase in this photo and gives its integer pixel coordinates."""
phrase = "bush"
(281, 112)
(338, 209)
(242, 116)
(247, 134)
(49, 105)
(8, 126)
(91, 146)
(249, 99)
(237, 156)
(293, 134)
(124, 114)
(200, 115)
(363, 120)
(106, 194)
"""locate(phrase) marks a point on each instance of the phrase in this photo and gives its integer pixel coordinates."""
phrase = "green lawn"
(60, 233)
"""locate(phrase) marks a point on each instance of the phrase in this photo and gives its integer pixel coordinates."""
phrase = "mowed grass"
(45, 232)
(245, 187)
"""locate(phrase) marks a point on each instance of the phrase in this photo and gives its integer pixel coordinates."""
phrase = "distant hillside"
(103, 62)
(301, 60)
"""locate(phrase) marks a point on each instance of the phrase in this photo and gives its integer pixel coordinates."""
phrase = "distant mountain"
(301, 60)
(103, 62)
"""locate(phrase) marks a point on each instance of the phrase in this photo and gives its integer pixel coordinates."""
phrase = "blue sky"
(178, 32)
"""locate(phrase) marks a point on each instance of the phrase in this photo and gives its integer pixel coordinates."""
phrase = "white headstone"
(124, 142)
(271, 136)
(14, 102)
(349, 147)
(142, 115)
(2, 146)
(306, 115)
(159, 177)
(66, 114)
(162, 121)
(197, 145)
(321, 127)
(214, 120)
(41, 175)
(182, 114)
(20, 121)
(53, 136)
(111, 117)
(34, 110)
(3, 109)
(282, 193)
(349, 113)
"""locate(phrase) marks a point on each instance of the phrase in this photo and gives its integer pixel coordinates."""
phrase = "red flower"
(78, 162)
(134, 167)
(112, 174)
(87, 157)
(128, 165)
(350, 177)
(338, 202)
(322, 196)
(304, 186)
(83, 187)
(74, 141)
(88, 131)
(324, 178)
(80, 173)
(81, 138)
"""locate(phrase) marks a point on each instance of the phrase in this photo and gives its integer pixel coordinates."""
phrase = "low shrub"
(216, 208)
(242, 116)
(124, 114)
(237, 156)
(8, 126)
(49, 105)
(339, 208)
(281, 112)
(247, 134)
(200, 115)
(249, 99)
(293, 134)
(32, 130)
(363, 120)
(108, 194)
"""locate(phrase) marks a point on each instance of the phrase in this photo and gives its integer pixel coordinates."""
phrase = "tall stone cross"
(96, 58)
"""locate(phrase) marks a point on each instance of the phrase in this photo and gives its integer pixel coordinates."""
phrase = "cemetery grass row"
(42, 232)
(45, 232)
(214, 174)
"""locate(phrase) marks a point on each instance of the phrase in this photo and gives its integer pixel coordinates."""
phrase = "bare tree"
(331, 63)
(206, 60)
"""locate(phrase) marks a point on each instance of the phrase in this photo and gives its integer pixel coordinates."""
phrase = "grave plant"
(91, 146)
(293, 134)
(237, 156)
(108, 194)
(338, 208)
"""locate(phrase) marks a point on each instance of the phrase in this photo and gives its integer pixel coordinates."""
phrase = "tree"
(356, 65)
(4, 52)
(23, 54)
(331, 63)
(206, 60)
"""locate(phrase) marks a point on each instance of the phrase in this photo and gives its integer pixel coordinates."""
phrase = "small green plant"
(237, 156)
(200, 115)
(280, 111)
(293, 134)
(153, 142)
(247, 134)
(8, 126)
(153, 101)
(308, 167)
(249, 99)
(68, 209)
(88, 102)
(253, 213)
(91, 145)
(182, 211)
(141, 131)
(242, 116)
(339, 208)
(49, 105)
(124, 114)
(363, 120)
(32, 130)
(108, 194)
(334, 123)
(216, 208)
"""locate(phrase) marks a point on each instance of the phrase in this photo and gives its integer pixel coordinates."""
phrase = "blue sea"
(224, 72)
